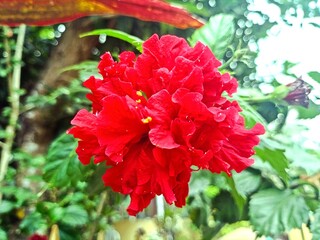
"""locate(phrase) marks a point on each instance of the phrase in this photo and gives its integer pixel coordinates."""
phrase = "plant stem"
(14, 99)
(99, 211)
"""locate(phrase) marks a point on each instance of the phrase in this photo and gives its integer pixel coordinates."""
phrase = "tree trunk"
(38, 125)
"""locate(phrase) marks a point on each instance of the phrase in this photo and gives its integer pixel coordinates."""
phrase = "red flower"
(156, 116)
(38, 237)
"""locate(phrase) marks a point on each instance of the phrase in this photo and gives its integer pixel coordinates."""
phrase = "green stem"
(302, 234)
(227, 63)
(14, 99)
(100, 207)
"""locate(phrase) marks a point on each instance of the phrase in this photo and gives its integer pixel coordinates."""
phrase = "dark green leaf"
(22, 195)
(273, 211)
(217, 34)
(315, 225)
(63, 166)
(134, 41)
(268, 110)
(251, 115)
(238, 198)
(74, 215)
(226, 209)
(315, 76)
(269, 151)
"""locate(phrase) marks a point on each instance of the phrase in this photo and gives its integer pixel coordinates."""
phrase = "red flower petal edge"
(157, 116)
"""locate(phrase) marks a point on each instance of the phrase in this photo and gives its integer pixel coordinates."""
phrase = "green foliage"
(33, 222)
(74, 215)
(6, 206)
(217, 34)
(273, 211)
(315, 76)
(315, 225)
(3, 234)
(247, 182)
(63, 167)
(269, 151)
(312, 111)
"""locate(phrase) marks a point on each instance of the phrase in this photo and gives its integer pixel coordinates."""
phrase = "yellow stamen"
(138, 101)
(139, 93)
(146, 120)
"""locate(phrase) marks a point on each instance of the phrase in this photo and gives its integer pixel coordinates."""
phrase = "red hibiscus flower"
(157, 116)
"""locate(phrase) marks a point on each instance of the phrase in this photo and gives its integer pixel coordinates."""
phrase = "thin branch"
(14, 99)
(99, 211)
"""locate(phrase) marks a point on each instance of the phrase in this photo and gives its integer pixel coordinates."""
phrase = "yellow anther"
(138, 101)
(146, 120)
(139, 93)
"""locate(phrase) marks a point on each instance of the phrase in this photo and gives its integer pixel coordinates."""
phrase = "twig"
(99, 211)
(14, 99)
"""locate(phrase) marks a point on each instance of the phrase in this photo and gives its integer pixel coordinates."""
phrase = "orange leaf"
(47, 12)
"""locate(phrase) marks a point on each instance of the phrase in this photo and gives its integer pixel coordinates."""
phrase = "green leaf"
(75, 215)
(315, 225)
(238, 198)
(33, 222)
(90, 66)
(312, 111)
(23, 195)
(251, 115)
(307, 159)
(3, 235)
(217, 34)
(6, 206)
(56, 214)
(63, 166)
(246, 182)
(273, 211)
(133, 40)
(315, 76)
(225, 208)
(268, 151)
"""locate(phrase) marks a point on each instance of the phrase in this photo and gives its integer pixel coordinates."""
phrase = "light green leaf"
(217, 34)
(3, 235)
(307, 159)
(312, 111)
(246, 182)
(315, 76)
(63, 166)
(315, 225)
(6, 206)
(273, 211)
(74, 215)
(133, 40)
(268, 151)
(90, 65)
